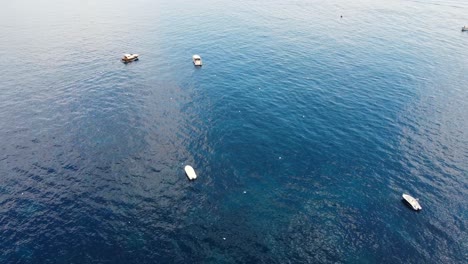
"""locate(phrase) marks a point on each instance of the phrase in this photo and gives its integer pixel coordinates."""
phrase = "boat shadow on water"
(129, 62)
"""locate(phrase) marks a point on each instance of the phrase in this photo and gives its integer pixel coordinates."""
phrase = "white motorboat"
(190, 172)
(464, 28)
(197, 60)
(413, 202)
(130, 57)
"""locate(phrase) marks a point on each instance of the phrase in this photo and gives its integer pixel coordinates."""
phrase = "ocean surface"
(304, 128)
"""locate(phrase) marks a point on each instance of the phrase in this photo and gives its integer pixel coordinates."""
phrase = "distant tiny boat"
(197, 60)
(190, 172)
(465, 28)
(130, 57)
(413, 202)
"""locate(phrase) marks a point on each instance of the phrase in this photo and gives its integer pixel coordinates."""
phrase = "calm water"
(304, 128)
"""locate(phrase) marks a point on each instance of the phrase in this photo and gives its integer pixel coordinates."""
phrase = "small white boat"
(190, 172)
(465, 28)
(197, 60)
(130, 57)
(413, 202)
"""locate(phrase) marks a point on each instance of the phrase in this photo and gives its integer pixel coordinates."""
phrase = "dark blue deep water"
(305, 129)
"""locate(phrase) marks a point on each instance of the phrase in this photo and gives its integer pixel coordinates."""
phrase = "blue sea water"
(304, 128)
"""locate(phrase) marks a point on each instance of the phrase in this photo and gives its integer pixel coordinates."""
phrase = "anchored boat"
(129, 57)
(197, 60)
(465, 28)
(413, 202)
(190, 172)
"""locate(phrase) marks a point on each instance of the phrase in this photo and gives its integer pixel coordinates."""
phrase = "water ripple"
(304, 129)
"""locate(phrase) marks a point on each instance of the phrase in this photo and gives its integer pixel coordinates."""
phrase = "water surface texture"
(304, 128)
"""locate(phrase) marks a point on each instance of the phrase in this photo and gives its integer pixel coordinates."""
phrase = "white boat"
(197, 60)
(465, 28)
(190, 172)
(130, 57)
(413, 202)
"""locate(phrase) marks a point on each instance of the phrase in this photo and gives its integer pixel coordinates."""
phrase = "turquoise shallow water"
(304, 128)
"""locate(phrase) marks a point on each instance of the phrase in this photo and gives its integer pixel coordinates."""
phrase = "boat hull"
(129, 60)
(411, 202)
(197, 61)
(191, 175)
